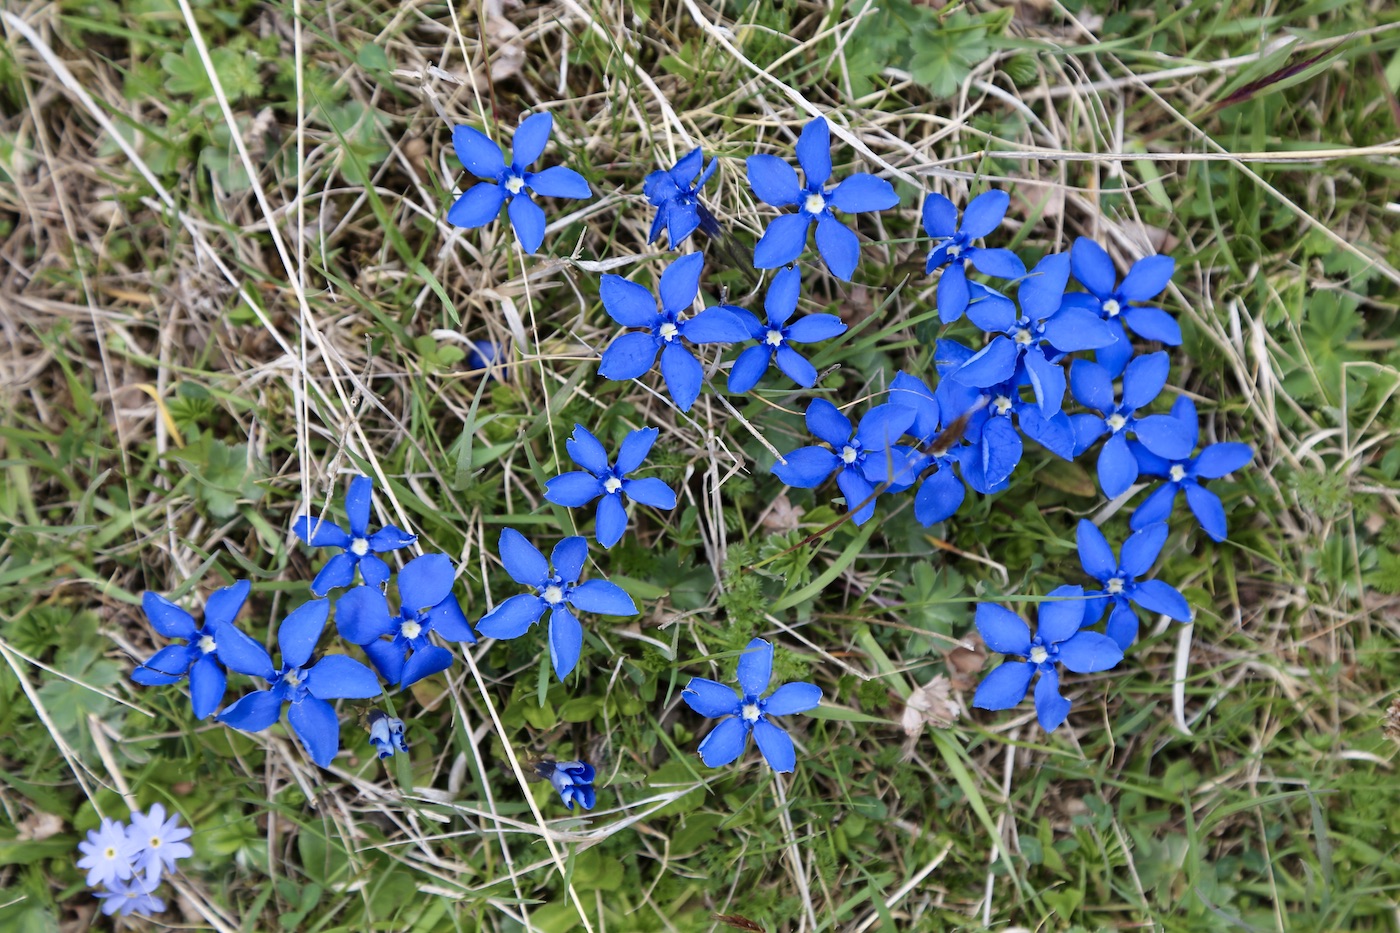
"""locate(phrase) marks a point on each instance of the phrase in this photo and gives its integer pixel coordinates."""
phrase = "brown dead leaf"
(930, 705)
(783, 517)
(965, 662)
(37, 827)
(507, 54)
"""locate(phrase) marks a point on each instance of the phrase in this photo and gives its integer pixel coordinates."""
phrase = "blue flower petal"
(477, 153)
(940, 216)
(336, 676)
(796, 367)
(387, 658)
(1091, 385)
(530, 138)
(167, 618)
(320, 532)
(522, 560)
(425, 662)
(1148, 462)
(863, 192)
(650, 491)
(776, 746)
(792, 698)
(814, 152)
(1165, 436)
(225, 603)
(426, 581)
(838, 246)
(635, 447)
(1219, 459)
(1118, 468)
(528, 220)
(782, 242)
(207, 685)
(238, 652)
(1093, 267)
(659, 187)
(362, 615)
(1090, 652)
(984, 213)
(512, 618)
(167, 666)
(816, 327)
(826, 422)
(1078, 329)
(806, 467)
(565, 641)
(680, 282)
(1095, 554)
(603, 598)
(715, 325)
(755, 668)
(479, 205)
(1147, 278)
(628, 357)
(939, 497)
(1208, 509)
(749, 368)
(1050, 708)
(1001, 450)
(1142, 547)
(683, 375)
(859, 493)
(1055, 434)
(315, 724)
(773, 180)
(681, 222)
(587, 451)
(1087, 428)
(448, 620)
(627, 303)
(883, 425)
(1157, 507)
(1001, 263)
(1047, 381)
(338, 572)
(1005, 686)
(1003, 630)
(1144, 378)
(724, 743)
(1059, 616)
(254, 712)
(686, 166)
(781, 298)
(299, 632)
(710, 698)
(611, 521)
(1115, 356)
(992, 365)
(1042, 293)
(1153, 324)
(573, 489)
(1160, 597)
(390, 538)
(558, 181)
(1122, 625)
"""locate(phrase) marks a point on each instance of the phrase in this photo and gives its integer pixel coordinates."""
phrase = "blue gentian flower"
(572, 779)
(399, 644)
(1186, 474)
(1029, 347)
(386, 733)
(1145, 281)
(1058, 640)
(109, 853)
(600, 478)
(749, 713)
(358, 547)
(306, 689)
(132, 897)
(953, 247)
(557, 591)
(675, 193)
(776, 336)
(1143, 380)
(160, 841)
(774, 182)
(853, 454)
(200, 657)
(631, 305)
(1121, 583)
(512, 183)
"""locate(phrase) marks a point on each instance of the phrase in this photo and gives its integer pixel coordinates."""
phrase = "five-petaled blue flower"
(631, 305)
(1185, 474)
(941, 493)
(775, 182)
(953, 247)
(1145, 280)
(1143, 380)
(557, 591)
(109, 853)
(480, 204)
(307, 689)
(132, 897)
(675, 194)
(161, 842)
(386, 733)
(1058, 640)
(1029, 347)
(750, 713)
(572, 779)
(359, 547)
(398, 644)
(1120, 582)
(776, 336)
(200, 657)
(853, 455)
(600, 478)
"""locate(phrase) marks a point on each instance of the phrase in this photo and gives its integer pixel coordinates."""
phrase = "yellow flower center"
(110, 852)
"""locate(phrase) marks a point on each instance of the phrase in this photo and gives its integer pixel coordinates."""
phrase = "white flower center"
(750, 712)
(669, 331)
(207, 644)
(514, 183)
(1177, 473)
(154, 843)
(1038, 655)
(410, 629)
(554, 595)
(111, 852)
(954, 251)
(292, 679)
(359, 547)
(1111, 307)
(1114, 586)
(1115, 422)
(814, 204)
(1023, 337)
(848, 454)
(612, 484)
(774, 338)
(1002, 404)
